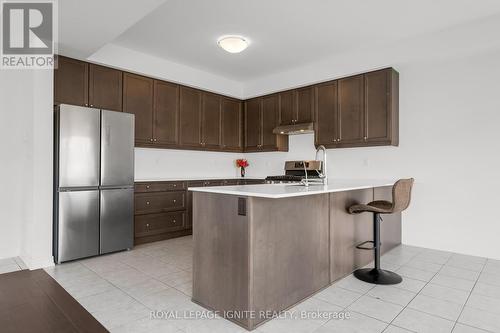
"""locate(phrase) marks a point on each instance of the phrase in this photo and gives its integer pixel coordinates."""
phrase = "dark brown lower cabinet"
(163, 210)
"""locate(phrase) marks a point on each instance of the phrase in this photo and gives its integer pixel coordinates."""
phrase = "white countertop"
(275, 191)
(173, 179)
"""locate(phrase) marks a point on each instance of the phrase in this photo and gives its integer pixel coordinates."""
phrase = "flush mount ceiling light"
(233, 44)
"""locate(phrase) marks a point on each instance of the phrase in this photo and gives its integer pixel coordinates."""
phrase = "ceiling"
(284, 34)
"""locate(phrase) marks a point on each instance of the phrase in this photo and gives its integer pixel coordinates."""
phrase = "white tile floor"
(11, 265)
(441, 292)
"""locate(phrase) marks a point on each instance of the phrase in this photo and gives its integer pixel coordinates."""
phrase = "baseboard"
(36, 263)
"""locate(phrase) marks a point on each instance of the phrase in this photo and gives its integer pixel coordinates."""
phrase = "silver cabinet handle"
(175, 185)
(175, 201)
(151, 140)
(147, 186)
(173, 221)
(154, 140)
(147, 202)
(147, 226)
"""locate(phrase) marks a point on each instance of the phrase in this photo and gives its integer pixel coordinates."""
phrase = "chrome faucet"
(323, 178)
(323, 173)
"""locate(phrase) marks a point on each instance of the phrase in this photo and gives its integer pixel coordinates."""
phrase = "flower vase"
(242, 172)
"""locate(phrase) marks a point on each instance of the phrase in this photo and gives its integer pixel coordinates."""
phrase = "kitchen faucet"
(322, 174)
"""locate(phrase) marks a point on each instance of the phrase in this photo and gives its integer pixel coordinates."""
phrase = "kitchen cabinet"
(381, 107)
(231, 125)
(71, 82)
(326, 113)
(305, 105)
(105, 88)
(211, 121)
(351, 113)
(287, 107)
(166, 113)
(270, 114)
(296, 106)
(261, 117)
(79, 83)
(358, 111)
(253, 124)
(190, 118)
(163, 209)
(138, 100)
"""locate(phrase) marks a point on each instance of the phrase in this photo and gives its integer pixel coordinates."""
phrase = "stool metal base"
(377, 276)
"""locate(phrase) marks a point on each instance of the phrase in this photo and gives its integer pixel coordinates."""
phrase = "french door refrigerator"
(94, 182)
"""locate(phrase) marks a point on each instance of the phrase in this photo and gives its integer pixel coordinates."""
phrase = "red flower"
(242, 163)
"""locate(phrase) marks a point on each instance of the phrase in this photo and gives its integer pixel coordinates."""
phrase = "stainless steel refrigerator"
(94, 182)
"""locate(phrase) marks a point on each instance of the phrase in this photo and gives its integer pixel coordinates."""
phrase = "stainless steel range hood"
(300, 128)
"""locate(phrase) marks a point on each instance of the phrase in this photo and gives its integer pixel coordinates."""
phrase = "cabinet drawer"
(159, 202)
(153, 224)
(159, 187)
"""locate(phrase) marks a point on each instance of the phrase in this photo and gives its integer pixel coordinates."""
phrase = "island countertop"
(275, 191)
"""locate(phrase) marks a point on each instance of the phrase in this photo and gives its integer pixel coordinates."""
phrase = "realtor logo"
(28, 35)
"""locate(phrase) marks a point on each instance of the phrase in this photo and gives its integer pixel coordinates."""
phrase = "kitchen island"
(260, 249)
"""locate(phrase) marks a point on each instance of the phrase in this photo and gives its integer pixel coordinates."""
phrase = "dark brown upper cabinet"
(287, 107)
(166, 113)
(105, 88)
(261, 117)
(231, 125)
(305, 105)
(211, 121)
(296, 106)
(71, 82)
(190, 117)
(253, 124)
(326, 127)
(358, 111)
(270, 114)
(381, 105)
(351, 113)
(138, 100)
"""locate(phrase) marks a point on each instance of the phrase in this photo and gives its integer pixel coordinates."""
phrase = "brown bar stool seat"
(401, 197)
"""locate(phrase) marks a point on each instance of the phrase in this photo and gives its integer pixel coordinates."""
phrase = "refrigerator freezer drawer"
(78, 143)
(78, 227)
(117, 148)
(117, 220)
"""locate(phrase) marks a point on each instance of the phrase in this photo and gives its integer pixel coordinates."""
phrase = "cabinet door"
(166, 113)
(253, 123)
(305, 105)
(71, 82)
(351, 110)
(377, 111)
(287, 107)
(190, 117)
(105, 88)
(326, 113)
(138, 99)
(270, 111)
(231, 124)
(210, 121)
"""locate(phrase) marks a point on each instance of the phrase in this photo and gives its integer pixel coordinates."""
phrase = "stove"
(297, 172)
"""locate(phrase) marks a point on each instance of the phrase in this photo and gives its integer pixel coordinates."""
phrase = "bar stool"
(401, 196)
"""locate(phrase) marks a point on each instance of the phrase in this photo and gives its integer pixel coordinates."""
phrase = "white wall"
(26, 166)
(449, 118)
(153, 164)
(152, 66)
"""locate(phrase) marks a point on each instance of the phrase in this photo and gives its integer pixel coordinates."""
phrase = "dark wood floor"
(31, 301)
